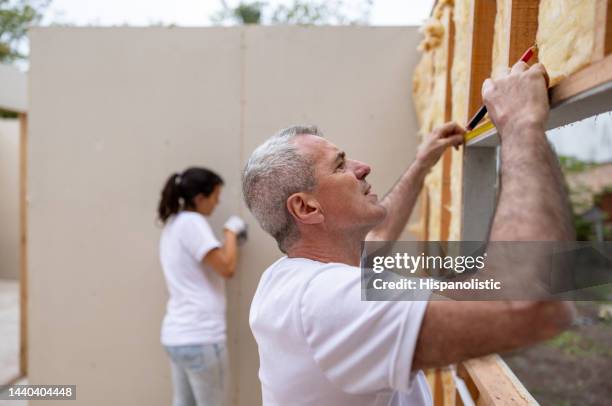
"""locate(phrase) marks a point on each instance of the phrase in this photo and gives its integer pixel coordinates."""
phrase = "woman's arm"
(223, 259)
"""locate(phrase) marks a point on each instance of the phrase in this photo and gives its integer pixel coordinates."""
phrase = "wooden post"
(23, 245)
(491, 382)
(447, 157)
(603, 29)
(523, 27)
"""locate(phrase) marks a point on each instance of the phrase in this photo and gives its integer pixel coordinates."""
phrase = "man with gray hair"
(319, 343)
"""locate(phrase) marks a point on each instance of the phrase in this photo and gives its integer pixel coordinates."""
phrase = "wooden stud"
(445, 215)
(23, 246)
(495, 382)
(596, 74)
(603, 29)
(469, 382)
(449, 390)
(523, 27)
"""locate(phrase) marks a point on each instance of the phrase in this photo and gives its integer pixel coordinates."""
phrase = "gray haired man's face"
(345, 198)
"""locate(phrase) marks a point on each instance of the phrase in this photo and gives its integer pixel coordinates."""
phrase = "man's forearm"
(533, 204)
(400, 202)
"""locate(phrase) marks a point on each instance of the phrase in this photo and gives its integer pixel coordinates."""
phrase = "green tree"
(15, 18)
(336, 12)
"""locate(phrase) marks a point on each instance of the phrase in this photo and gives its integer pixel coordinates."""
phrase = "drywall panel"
(110, 122)
(114, 112)
(9, 199)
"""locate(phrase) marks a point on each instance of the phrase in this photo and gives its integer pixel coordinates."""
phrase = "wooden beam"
(603, 29)
(494, 382)
(448, 116)
(23, 245)
(588, 78)
(483, 28)
(523, 27)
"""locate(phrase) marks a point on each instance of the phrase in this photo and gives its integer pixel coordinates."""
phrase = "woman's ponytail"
(169, 203)
(181, 189)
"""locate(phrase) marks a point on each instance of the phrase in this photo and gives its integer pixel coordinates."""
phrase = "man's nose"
(361, 170)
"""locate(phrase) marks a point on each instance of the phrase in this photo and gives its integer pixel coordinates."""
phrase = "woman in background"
(195, 266)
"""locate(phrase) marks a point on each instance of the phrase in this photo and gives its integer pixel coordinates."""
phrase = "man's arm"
(402, 197)
(533, 203)
(533, 206)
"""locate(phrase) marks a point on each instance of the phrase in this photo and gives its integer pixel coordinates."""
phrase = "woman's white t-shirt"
(195, 313)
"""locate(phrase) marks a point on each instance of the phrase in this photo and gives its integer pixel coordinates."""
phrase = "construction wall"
(115, 111)
(9, 199)
(487, 38)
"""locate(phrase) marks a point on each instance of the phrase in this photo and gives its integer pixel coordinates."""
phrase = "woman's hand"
(237, 226)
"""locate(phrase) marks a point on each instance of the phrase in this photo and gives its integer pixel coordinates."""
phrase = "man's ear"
(305, 208)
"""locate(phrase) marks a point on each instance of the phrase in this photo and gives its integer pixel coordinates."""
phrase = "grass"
(573, 344)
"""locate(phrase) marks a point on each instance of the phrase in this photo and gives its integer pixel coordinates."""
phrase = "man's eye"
(340, 166)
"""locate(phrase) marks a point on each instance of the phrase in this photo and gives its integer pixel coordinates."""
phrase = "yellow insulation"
(460, 80)
(566, 36)
(422, 85)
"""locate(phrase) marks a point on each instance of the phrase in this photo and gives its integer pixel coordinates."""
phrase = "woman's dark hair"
(181, 188)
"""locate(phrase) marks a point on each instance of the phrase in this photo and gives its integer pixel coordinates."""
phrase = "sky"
(197, 12)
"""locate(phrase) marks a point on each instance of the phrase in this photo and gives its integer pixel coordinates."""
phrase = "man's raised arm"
(533, 206)
(402, 197)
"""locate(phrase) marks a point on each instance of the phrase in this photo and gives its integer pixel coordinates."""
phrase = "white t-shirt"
(195, 313)
(320, 344)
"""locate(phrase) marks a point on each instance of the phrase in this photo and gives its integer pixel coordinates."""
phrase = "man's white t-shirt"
(320, 344)
(195, 313)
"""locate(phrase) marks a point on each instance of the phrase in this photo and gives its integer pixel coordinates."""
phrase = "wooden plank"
(590, 77)
(483, 29)
(469, 382)
(449, 391)
(447, 157)
(479, 192)
(23, 246)
(495, 383)
(603, 29)
(13, 89)
(523, 27)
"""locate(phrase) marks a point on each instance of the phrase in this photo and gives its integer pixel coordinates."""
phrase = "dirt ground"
(573, 369)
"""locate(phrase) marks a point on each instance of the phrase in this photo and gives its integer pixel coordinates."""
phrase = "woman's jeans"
(198, 374)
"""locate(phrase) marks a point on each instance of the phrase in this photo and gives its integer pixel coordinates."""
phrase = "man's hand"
(434, 144)
(518, 100)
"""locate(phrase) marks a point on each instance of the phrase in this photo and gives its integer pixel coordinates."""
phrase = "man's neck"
(345, 249)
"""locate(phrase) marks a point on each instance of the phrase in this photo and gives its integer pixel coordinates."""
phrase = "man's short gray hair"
(275, 171)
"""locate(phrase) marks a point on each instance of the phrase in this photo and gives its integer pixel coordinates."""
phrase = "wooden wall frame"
(23, 244)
